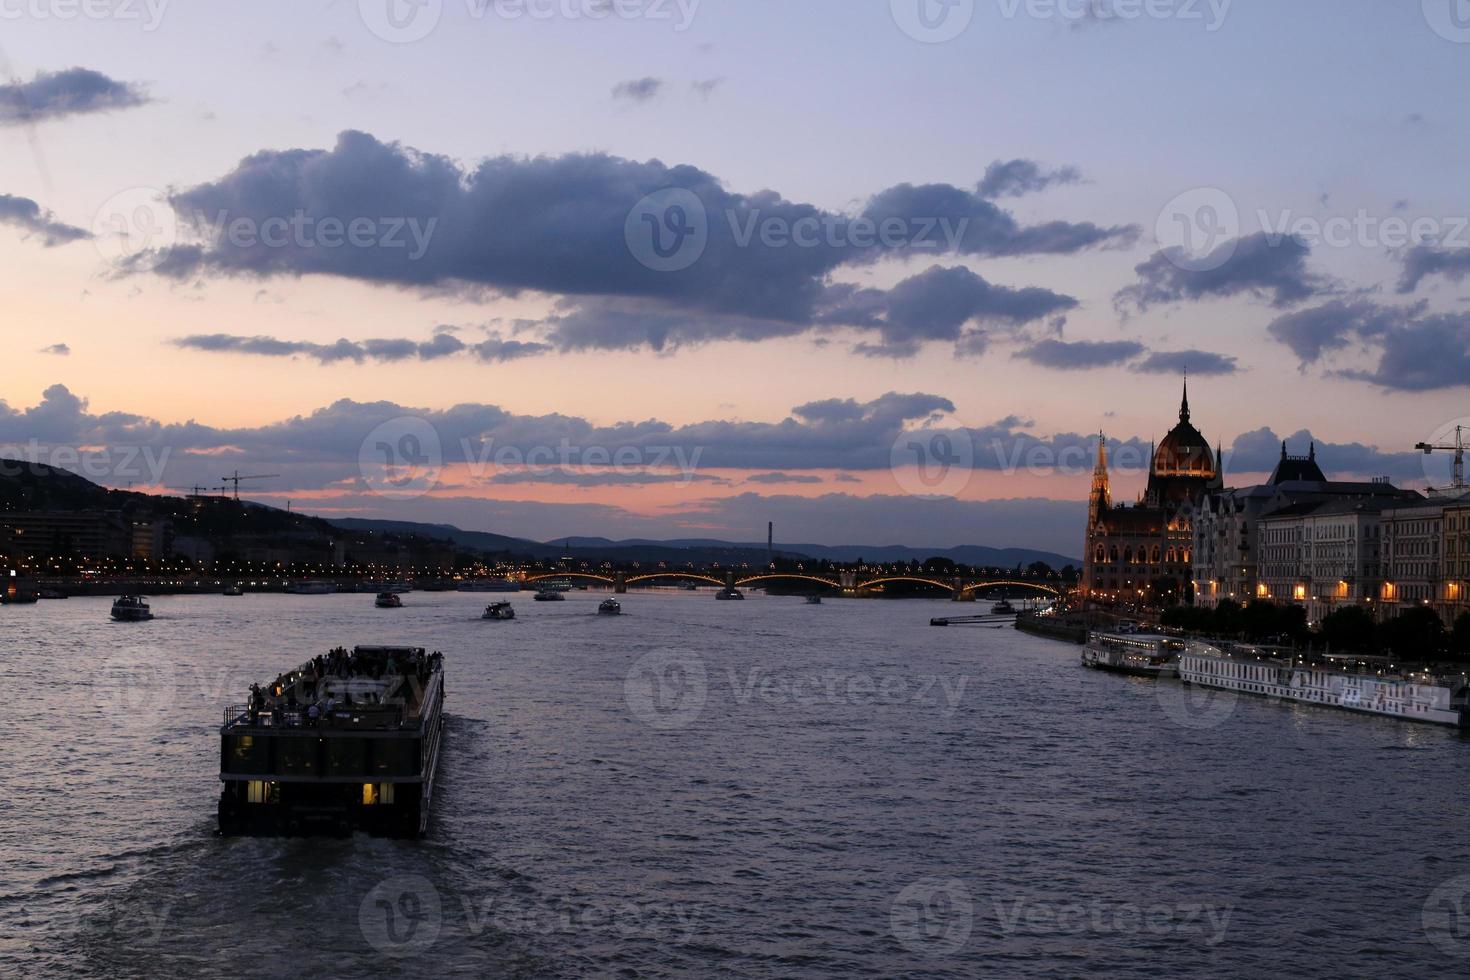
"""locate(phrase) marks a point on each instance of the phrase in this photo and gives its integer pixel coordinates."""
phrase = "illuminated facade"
(1147, 548)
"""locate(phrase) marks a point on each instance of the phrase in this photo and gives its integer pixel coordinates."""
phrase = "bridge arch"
(790, 577)
(552, 576)
(676, 576)
(1033, 586)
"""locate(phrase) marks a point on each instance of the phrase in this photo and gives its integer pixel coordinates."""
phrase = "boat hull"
(1128, 666)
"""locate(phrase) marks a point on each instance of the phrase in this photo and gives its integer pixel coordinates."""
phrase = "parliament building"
(1145, 548)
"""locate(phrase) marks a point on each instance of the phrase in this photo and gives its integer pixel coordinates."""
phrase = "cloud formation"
(75, 91)
(638, 89)
(562, 226)
(1416, 350)
(27, 215)
(1080, 355)
(1197, 362)
(1013, 178)
(1427, 261)
(1263, 266)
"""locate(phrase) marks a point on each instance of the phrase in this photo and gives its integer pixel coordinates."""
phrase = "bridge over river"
(845, 583)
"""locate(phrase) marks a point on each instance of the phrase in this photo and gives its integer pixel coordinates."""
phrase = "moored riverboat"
(1426, 694)
(1134, 654)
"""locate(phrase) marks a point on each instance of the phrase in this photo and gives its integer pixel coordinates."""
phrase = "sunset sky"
(1080, 204)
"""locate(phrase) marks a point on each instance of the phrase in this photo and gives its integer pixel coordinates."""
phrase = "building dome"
(1184, 452)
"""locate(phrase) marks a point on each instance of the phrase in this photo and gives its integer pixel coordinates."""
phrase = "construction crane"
(197, 491)
(1458, 449)
(237, 479)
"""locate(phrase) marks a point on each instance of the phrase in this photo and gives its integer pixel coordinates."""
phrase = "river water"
(761, 789)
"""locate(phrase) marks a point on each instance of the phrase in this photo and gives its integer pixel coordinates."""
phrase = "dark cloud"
(549, 476)
(495, 349)
(61, 350)
(706, 87)
(1259, 452)
(1080, 355)
(1426, 261)
(1202, 363)
(938, 304)
(1416, 350)
(1014, 178)
(1311, 333)
(638, 89)
(773, 479)
(357, 351)
(53, 95)
(23, 213)
(1262, 265)
(558, 225)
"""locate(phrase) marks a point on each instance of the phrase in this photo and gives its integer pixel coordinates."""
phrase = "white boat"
(500, 611)
(388, 600)
(610, 607)
(131, 609)
(310, 588)
(1432, 696)
(1134, 654)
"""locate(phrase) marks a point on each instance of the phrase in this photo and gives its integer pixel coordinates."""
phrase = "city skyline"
(1039, 285)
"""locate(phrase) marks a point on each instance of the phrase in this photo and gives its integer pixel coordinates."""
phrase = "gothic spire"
(1184, 405)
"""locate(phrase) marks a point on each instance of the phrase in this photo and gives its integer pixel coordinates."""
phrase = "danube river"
(761, 789)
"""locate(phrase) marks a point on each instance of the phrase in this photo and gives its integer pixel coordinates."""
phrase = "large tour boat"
(1390, 689)
(345, 742)
(1134, 654)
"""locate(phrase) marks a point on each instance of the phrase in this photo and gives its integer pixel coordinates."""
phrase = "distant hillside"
(977, 555)
(704, 550)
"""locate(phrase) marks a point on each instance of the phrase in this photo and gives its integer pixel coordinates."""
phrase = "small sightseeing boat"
(389, 600)
(131, 609)
(499, 611)
(1134, 654)
(610, 607)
